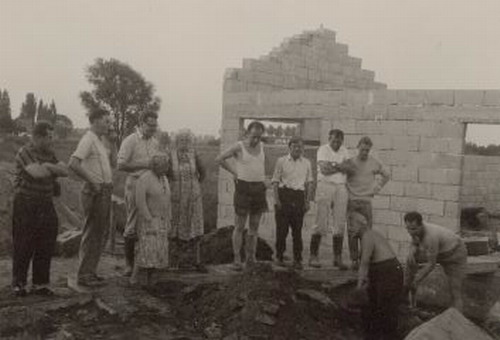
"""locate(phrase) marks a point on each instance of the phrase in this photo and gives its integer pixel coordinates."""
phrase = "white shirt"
(94, 157)
(138, 149)
(250, 168)
(326, 154)
(292, 174)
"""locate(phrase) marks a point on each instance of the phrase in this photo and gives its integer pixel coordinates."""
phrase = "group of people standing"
(162, 194)
(345, 188)
(165, 214)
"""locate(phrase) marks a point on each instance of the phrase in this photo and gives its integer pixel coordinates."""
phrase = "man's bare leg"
(253, 232)
(239, 227)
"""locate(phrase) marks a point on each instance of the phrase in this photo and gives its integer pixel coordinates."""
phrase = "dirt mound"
(217, 247)
(261, 304)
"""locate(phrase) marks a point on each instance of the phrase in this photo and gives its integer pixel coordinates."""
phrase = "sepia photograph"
(249, 170)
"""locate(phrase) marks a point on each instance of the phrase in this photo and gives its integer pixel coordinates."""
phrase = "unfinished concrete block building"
(311, 81)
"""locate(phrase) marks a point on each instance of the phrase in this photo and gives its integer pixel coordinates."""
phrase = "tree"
(28, 108)
(121, 91)
(6, 122)
(53, 112)
(62, 126)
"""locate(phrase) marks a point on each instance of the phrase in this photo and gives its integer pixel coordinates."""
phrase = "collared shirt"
(136, 148)
(24, 183)
(326, 154)
(292, 174)
(95, 158)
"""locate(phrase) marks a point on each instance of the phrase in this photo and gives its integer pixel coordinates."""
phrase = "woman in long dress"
(186, 174)
(153, 204)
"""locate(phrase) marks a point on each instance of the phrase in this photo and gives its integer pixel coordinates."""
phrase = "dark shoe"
(200, 268)
(297, 265)
(20, 291)
(127, 272)
(42, 291)
(280, 263)
(355, 265)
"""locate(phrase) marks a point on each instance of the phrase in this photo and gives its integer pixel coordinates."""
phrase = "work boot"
(314, 249)
(354, 252)
(129, 250)
(337, 252)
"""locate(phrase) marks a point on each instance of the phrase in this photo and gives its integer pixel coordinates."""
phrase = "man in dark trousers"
(381, 274)
(292, 183)
(34, 219)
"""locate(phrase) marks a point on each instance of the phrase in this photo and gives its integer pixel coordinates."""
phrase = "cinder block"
(452, 209)
(393, 188)
(351, 141)
(400, 112)
(395, 127)
(440, 97)
(455, 145)
(382, 142)
(450, 129)
(395, 157)
(403, 204)
(431, 207)
(439, 176)
(385, 97)
(406, 143)
(404, 173)
(420, 190)
(348, 126)
(381, 202)
(434, 144)
(375, 112)
(231, 124)
(382, 216)
(411, 97)
(446, 192)
(468, 97)
(421, 128)
(491, 98)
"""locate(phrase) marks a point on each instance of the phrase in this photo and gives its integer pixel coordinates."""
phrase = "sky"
(184, 46)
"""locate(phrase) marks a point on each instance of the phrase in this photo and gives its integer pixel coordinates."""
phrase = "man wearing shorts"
(440, 245)
(250, 189)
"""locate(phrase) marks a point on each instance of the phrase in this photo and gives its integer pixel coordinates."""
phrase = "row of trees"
(474, 149)
(30, 113)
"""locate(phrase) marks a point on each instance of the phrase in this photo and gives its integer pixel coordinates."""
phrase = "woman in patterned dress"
(186, 173)
(153, 204)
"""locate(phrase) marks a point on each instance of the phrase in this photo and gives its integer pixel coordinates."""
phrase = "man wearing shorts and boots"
(331, 198)
(134, 157)
(292, 182)
(366, 176)
(250, 189)
(439, 245)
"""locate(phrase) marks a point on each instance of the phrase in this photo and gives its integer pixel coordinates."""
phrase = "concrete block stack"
(418, 134)
(310, 60)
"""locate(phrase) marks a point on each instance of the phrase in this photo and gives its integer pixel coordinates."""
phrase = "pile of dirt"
(261, 304)
(217, 247)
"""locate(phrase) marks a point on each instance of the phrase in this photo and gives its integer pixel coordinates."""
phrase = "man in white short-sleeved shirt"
(90, 162)
(331, 198)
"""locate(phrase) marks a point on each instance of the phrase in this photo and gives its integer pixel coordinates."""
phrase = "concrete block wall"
(310, 60)
(481, 182)
(417, 134)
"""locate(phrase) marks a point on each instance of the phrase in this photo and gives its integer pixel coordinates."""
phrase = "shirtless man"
(438, 245)
(382, 275)
(250, 189)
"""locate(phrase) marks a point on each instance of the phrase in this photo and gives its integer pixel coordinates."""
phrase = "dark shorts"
(249, 198)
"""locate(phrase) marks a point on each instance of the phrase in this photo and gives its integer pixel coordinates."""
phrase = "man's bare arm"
(134, 166)
(76, 166)
(367, 248)
(59, 170)
(222, 159)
